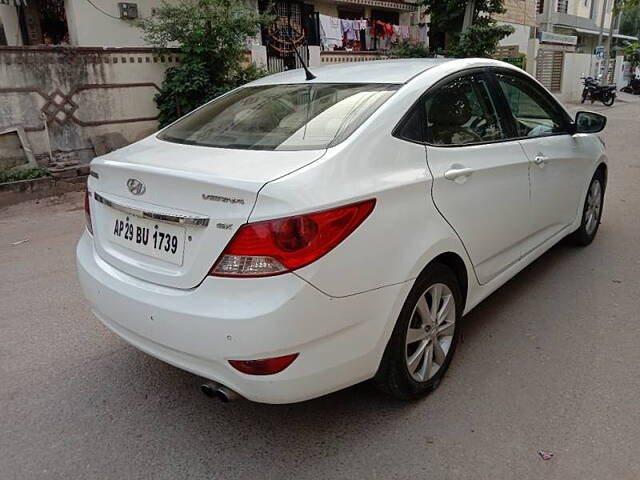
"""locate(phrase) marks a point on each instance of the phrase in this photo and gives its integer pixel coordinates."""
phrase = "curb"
(38, 188)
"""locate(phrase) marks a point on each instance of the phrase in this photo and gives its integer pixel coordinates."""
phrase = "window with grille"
(563, 6)
(539, 6)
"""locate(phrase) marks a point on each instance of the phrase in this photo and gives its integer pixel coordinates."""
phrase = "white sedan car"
(294, 237)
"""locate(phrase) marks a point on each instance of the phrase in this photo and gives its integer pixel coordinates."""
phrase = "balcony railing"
(344, 57)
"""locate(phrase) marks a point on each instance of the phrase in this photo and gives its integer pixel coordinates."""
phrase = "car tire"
(397, 374)
(591, 212)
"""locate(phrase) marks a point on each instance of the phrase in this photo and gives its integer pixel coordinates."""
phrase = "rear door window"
(281, 117)
(462, 112)
(459, 112)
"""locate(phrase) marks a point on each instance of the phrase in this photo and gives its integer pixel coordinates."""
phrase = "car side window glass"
(462, 112)
(533, 113)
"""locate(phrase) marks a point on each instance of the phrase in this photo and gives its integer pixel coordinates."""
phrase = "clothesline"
(359, 33)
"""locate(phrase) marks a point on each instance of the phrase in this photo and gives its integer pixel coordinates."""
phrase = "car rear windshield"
(281, 117)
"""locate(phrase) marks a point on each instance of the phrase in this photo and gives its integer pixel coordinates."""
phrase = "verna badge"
(135, 186)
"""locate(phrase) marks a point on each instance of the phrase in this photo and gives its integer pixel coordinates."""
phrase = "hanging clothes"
(413, 35)
(423, 34)
(348, 30)
(364, 42)
(361, 24)
(330, 32)
(382, 29)
(396, 31)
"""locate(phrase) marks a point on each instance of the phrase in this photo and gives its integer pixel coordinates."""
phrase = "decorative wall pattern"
(60, 107)
(81, 93)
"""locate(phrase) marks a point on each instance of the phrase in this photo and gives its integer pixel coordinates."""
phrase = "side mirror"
(589, 122)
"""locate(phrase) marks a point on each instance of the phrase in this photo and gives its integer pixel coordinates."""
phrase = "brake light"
(265, 366)
(87, 212)
(285, 244)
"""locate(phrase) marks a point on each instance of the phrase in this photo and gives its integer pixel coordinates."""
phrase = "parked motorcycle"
(594, 91)
(633, 86)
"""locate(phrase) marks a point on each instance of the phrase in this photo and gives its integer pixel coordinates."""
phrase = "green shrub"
(481, 38)
(15, 174)
(406, 50)
(211, 35)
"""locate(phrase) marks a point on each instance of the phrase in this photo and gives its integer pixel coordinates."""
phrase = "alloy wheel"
(594, 204)
(430, 332)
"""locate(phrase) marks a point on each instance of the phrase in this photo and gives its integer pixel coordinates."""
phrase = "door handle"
(540, 161)
(460, 173)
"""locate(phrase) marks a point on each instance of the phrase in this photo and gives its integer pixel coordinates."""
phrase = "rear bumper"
(340, 340)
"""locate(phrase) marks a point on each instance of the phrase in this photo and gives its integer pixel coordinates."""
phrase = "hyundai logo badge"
(135, 186)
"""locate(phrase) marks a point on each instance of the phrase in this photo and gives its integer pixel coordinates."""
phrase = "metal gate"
(611, 71)
(293, 26)
(549, 69)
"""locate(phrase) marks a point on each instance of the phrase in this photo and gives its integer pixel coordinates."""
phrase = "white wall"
(520, 37)
(9, 19)
(618, 76)
(89, 27)
(578, 8)
(33, 76)
(314, 56)
(532, 55)
(575, 65)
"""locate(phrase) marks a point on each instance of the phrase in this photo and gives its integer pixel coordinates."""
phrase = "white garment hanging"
(330, 32)
(423, 35)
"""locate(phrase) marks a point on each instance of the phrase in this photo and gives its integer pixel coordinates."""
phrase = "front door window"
(534, 114)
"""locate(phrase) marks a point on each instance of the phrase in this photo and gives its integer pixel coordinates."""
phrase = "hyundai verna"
(295, 237)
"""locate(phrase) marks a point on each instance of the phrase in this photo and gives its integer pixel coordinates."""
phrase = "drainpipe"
(607, 52)
(602, 18)
(547, 5)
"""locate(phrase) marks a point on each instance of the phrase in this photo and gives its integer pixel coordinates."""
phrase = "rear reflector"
(265, 366)
(87, 212)
(285, 244)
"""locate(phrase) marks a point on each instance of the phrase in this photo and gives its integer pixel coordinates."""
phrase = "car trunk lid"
(163, 212)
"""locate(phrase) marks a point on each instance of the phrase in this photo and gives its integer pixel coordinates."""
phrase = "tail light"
(87, 212)
(282, 245)
(265, 366)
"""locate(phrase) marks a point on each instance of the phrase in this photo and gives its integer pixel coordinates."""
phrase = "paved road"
(549, 361)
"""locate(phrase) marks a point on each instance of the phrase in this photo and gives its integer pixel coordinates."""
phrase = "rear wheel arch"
(456, 264)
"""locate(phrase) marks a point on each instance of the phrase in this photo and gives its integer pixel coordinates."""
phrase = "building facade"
(520, 15)
(582, 19)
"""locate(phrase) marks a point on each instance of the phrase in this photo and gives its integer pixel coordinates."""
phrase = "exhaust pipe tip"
(226, 395)
(209, 389)
(216, 390)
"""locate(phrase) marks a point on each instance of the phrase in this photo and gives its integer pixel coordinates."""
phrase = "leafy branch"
(211, 35)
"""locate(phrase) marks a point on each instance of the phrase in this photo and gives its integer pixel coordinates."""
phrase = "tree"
(632, 53)
(211, 35)
(481, 38)
(630, 21)
(625, 4)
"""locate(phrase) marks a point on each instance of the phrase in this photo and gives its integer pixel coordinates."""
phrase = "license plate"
(155, 239)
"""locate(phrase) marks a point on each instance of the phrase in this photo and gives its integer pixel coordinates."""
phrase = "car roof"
(377, 71)
(397, 71)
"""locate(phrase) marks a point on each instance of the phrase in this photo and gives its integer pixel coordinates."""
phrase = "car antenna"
(310, 76)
